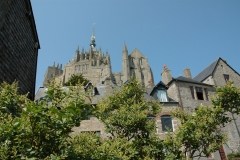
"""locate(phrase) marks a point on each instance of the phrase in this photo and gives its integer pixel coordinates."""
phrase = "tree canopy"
(76, 80)
(40, 130)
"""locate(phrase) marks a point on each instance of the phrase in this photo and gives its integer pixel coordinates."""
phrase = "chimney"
(187, 73)
(166, 75)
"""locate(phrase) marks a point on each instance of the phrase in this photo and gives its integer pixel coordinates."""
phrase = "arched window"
(167, 125)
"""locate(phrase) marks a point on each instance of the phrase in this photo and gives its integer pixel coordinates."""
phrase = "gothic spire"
(93, 42)
(77, 50)
(125, 48)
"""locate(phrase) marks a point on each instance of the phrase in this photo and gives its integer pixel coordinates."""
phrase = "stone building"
(189, 93)
(183, 92)
(19, 45)
(95, 66)
(218, 74)
(192, 92)
(164, 121)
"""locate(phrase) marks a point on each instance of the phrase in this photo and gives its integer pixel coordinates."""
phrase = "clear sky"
(178, 33)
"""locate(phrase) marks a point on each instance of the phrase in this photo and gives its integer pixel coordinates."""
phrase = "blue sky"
(178, 33)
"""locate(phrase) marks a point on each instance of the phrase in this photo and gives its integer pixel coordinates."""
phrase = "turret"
(82, 57)
(125, 64)
(77, 55)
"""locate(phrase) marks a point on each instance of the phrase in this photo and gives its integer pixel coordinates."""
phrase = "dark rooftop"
(206, 72)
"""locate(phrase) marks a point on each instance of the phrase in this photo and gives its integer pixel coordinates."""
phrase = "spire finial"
(78, 49)
(93, 42)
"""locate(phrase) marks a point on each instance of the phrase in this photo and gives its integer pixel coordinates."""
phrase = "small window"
(162, 95)
(226, 77)
(192, 91)
(166, 123)
(199, 92)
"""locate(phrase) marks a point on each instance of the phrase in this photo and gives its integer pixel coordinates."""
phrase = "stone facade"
(193, 92)
(95, 66)
(19, 45)
(220, 73)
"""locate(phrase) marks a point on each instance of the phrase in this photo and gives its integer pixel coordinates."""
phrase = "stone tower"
(137, 66)
(125, 64)
(52, 71)
(93, 64)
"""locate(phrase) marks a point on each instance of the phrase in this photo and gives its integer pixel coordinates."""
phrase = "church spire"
(93, 41)
(125, 64)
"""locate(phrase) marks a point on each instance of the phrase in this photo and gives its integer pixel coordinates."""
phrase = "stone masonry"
(95, 66)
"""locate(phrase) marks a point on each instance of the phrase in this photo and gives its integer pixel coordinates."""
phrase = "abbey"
(183, 92)
(95, 66)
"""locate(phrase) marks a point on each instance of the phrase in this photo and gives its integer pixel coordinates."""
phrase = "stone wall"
(188, 102)
(180, 92)
(221, 69)
(167, 108)
(18, 45)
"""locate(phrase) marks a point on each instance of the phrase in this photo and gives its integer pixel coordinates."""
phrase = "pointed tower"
(77, 54)
(125, 64)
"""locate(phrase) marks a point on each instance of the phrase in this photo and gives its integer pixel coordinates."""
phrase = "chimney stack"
(187, 73)
(166, 75)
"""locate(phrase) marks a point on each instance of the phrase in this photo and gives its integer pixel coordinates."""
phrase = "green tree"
(200, 132)
(126, 115)
(76, 80)
(42, 128)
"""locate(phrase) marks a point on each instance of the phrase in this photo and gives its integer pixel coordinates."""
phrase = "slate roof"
(206, 72)
(150, 91)
(188, 80)
(210, 70)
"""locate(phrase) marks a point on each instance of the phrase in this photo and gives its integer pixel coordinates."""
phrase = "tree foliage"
(76, 80)
(228, 98)
(42, 128)
(126, 115)
(200, 132)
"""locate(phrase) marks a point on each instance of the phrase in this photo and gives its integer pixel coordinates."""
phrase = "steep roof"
(210, 70)
(206, 72)
(160, 84)
(187, 80)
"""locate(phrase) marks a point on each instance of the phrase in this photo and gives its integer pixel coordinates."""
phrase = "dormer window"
(162, 95)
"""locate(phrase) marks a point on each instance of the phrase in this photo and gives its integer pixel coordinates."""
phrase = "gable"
(136, 54)
(223, 70)
(210, 70)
